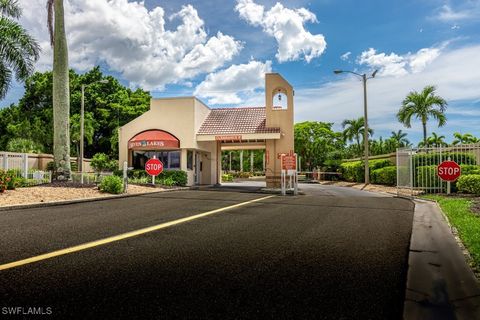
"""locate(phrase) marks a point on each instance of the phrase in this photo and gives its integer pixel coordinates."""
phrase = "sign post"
(154, 167)
(289, 168)
(449, 171)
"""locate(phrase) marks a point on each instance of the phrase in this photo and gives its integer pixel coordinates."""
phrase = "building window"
(170, 159)
(190, 160)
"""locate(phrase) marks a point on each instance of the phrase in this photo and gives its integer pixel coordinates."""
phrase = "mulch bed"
(68, 184)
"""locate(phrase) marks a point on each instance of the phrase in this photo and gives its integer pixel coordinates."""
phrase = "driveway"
(333, 253)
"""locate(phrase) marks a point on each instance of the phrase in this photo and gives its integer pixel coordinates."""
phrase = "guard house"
(185, 134)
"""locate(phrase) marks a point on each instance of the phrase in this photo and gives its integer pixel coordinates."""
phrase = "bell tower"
(279, 114)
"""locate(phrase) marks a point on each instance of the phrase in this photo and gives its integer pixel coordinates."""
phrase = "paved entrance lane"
(30, 232)
(301, 257)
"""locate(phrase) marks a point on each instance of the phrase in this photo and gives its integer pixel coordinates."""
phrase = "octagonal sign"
(449, 171)
(154, 167)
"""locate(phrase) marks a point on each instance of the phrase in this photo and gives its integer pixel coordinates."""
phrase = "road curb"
(440, 284)
(74, 201)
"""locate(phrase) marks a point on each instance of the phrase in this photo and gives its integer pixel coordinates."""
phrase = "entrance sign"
(154, 167)
(289, 162)
(289, 177)
(449, 171)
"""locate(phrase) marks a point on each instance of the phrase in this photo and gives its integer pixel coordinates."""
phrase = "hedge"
(435, 158)
(385, 175)
(469, 183)
(354, 171)
(111, 184)
(170, 177)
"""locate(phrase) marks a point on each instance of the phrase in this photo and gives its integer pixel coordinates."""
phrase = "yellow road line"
(122, 236)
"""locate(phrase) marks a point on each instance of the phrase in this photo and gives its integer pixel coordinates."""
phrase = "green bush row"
(226, 177)
(354, 171)
(386, 175)
(435, 158)
(167, 177)
(469, 183)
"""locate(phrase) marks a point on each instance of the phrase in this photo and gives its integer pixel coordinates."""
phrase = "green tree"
(110, 104)
(61, 88)
(18, 50)
(24, 145)
(314, 141)
(400, 138)
(354, 130)
(423, 105)
(464, 138)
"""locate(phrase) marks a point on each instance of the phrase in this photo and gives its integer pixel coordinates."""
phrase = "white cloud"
(451, 72)
(345, 56)
(399, 65)
(287, 26)
(133, 40)
(470, 10)
(225, 86)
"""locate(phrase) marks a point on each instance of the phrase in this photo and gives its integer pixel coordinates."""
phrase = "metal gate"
(417, 167)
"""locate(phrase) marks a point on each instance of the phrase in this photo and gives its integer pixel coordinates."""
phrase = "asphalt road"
(318, 256)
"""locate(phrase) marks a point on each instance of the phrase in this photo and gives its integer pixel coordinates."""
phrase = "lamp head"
(337, 71)
(374, 73)
(103, 81)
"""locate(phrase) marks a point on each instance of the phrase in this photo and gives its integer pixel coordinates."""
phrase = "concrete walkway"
(440, 285)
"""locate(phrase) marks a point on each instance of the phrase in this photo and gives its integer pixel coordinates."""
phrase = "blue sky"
(218, 50)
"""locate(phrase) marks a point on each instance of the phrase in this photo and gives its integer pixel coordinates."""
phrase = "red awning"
(153, 140)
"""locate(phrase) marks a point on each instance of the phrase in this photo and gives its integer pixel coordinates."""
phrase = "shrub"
(469, 183)
(179, 177)
(4, 180)
(353, 171)
(379, 163)
(227, 177)
(14, 180)
(111, 184)
(385, 175)
(101, 162)
(168, 182)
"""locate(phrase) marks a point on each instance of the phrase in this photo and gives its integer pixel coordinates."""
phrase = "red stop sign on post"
(154, 167)
(449, 171)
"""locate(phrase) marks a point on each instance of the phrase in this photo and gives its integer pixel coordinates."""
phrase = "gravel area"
(59, 192)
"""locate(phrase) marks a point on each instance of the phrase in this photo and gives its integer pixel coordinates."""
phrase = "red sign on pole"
(289, 162)
(449, 171)
(154, 167)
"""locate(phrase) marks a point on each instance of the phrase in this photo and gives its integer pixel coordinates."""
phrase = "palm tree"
(400, 138)
(434, 141)
(18, 50)
(61, 92)
(423, 105)
(464, 138)
(354, 129)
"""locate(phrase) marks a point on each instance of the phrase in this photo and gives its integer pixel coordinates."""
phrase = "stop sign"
(154, 167)
(449, 170)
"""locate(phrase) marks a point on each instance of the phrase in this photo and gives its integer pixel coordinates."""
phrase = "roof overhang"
(153, 140)
(238, 137)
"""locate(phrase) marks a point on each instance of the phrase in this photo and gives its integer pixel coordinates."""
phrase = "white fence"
(417, 167)
(18, 163)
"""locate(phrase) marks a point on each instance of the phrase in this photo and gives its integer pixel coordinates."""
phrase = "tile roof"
(236, 120)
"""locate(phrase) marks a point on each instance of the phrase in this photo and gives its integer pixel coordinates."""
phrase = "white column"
(25, 165)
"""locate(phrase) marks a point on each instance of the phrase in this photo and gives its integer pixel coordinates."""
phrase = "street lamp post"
(365, 116)
(82, 125)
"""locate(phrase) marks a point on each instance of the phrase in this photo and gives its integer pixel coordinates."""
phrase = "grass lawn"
(458, 211)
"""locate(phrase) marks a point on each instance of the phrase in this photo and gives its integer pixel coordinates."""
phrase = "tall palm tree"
(423, 105)
(464, 138)
(18, 50)
(400, 138)
(61, 92)
(354, 129)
